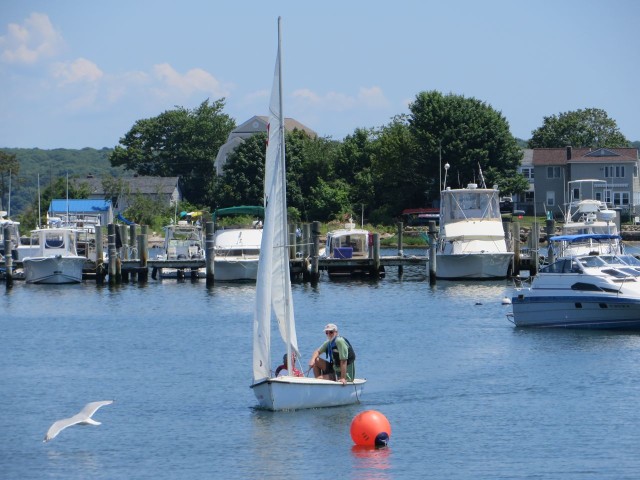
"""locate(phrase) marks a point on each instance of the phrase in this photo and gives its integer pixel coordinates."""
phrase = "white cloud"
(372, 98)
(195, 80)
(80, 70)
(35, 39)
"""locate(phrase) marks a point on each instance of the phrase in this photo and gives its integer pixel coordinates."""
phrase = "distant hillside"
(53, 164)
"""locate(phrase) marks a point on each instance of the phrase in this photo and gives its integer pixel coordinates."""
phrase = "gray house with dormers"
(554, 167)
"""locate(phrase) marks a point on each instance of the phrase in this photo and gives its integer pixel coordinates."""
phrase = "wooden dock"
(124, 264)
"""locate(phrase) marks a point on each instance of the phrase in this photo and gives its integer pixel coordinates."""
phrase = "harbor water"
(467, 394)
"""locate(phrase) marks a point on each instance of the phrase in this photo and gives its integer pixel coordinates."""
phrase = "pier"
(128, 260)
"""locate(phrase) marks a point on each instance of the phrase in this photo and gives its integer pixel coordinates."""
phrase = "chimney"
(569, 152)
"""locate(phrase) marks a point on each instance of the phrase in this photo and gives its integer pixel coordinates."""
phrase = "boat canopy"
(583, 237)
(241, 210)
(469, 204)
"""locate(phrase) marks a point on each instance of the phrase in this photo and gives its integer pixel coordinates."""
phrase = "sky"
(76, 74)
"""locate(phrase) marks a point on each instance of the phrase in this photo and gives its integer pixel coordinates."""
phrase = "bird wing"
(81, 417)
(91, 408)
(60, 425)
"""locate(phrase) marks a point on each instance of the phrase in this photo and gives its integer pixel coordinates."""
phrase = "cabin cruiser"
(582, 291)
(348, 243)
(471, 242)
(53, 257)
(236, 246)
(587, 214)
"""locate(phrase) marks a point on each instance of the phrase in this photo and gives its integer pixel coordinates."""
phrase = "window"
(527, 172)
(553, 172)
(551, 198)
(614, 171)
(529, 197)
(620, 198)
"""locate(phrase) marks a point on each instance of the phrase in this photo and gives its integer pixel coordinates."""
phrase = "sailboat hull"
(295, 393)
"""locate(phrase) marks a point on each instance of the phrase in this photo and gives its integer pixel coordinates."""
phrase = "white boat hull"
(53, 270)
(293, 393)
(581, 312)
(235, 269)
(473, 266)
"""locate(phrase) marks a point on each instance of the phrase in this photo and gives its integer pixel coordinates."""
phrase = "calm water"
(466, 393)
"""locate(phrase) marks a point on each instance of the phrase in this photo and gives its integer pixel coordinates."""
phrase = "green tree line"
(379, 170)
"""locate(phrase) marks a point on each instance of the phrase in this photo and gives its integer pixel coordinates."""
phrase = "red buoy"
(370, 429)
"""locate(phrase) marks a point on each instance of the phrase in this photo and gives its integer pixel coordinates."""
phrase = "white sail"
(273, 285)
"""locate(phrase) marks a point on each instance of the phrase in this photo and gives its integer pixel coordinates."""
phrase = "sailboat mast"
(285, 227)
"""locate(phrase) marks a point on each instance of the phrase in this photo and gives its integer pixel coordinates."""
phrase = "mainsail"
(273, 284)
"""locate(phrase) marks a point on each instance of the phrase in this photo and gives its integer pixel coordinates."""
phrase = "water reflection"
(371, 462)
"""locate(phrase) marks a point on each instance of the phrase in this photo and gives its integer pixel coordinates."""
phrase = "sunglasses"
(327, 332)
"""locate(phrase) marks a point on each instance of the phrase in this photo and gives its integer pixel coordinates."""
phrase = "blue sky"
(77, 74)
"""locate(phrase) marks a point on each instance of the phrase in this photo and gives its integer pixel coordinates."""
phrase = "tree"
(242, 182)
(178, 142)
(9, 166)
(464, 132)
(588, 128)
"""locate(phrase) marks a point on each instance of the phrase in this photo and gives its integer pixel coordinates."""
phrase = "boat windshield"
(469, 204)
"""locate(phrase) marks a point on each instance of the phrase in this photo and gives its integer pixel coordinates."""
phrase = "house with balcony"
(554, 167)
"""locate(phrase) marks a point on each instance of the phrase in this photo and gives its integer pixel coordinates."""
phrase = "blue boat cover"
(584, 236)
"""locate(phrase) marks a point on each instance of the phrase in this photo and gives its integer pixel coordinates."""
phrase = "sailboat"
(273, 288)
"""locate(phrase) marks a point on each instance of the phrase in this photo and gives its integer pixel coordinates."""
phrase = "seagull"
(82, 418)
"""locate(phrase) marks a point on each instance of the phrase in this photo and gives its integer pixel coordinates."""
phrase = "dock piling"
(209, 253)
(8, 258)
(432, 252)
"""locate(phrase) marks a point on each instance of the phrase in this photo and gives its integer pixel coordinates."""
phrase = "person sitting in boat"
(340, 363)
(282, 370)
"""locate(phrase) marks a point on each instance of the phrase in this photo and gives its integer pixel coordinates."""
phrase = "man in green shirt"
(340, 363)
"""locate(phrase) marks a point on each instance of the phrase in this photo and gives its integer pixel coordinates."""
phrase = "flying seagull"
(82, 418)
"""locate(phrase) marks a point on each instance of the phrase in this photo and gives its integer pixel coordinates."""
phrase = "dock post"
(99, 255)
(124, 250)
(551, 230)
(315, 270)
(132, 242)
(376, 255)
(292, 241)
(8, 258)
(306, 238)
(143, 253)
(113, 256)
(515, 236)
(400, 247)
(534, 241)
(432, 252)
(209, 253)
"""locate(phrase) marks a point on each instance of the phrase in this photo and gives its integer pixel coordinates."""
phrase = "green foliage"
(9, 166)
(178, 142)
(48, 166)
(586, 128)
(467, 132)
(242, 182)
(508, 182)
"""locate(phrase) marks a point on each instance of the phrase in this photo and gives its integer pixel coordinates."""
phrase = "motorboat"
(274, 296)
(587, 213)
(237, 247)
(345, 244)
(53, 258)
(183, 240)
(471, 243)
(582, 291)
